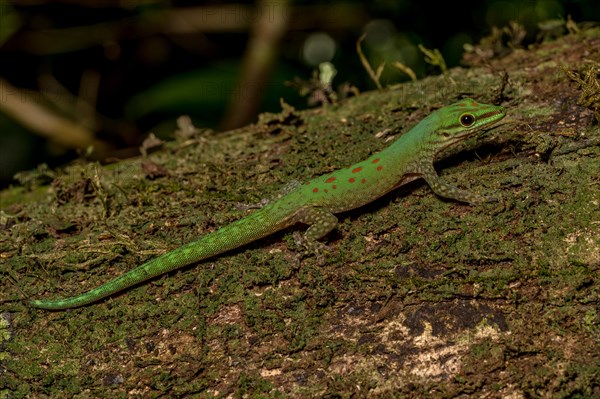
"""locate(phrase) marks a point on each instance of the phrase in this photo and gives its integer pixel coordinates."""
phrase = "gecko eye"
(467, 120)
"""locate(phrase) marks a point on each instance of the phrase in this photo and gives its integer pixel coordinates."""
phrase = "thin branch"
(22, 107)
(374, 75)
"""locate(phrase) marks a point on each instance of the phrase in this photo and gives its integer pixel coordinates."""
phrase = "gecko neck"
(412, 146)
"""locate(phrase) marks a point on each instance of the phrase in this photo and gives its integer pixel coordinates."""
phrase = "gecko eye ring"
(467, 120)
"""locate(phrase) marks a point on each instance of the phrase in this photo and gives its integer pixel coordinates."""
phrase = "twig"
(23, 108)
(374, 75)
(257, 63)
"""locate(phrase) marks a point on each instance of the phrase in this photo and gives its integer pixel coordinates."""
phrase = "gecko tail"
(241, 232)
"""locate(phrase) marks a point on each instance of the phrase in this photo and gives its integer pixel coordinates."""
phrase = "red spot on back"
(326, 190)
(330, 180)
(356, 170)
(363, 181)
(315, 190)
(334, 187)
(375, 160)
(351, 180)
(379, 167)
(308, 182)
(474, 104)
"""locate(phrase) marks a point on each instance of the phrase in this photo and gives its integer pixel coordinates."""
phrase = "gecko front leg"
(443, 189)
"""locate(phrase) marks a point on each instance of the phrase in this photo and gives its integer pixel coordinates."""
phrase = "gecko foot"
(311, 247)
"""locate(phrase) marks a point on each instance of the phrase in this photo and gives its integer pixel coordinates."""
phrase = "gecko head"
(463, 119)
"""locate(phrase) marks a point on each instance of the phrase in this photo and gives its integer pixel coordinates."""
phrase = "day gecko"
(316, 202)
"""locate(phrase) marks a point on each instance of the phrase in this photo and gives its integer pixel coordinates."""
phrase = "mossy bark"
(419, 297)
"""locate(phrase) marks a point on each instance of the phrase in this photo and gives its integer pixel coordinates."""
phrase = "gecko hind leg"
(320, 223)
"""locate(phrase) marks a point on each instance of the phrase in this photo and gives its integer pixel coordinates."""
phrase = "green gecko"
(316, 201)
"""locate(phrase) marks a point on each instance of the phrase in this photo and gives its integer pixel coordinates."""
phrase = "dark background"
(122, 69)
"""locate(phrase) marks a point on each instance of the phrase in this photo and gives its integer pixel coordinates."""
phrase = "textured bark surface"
(419, 297)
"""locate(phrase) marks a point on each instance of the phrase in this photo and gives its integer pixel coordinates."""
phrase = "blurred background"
(103, 74)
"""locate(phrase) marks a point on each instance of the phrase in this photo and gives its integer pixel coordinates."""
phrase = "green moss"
(264, 321)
